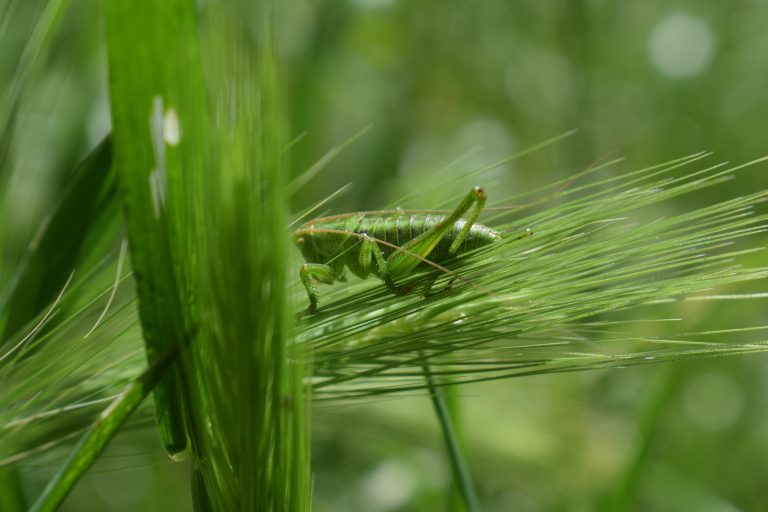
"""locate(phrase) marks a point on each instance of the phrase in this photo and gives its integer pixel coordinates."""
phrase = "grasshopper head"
(517, 234)
(304, 242)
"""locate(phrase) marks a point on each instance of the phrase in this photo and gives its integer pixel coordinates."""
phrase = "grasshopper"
(390, 244)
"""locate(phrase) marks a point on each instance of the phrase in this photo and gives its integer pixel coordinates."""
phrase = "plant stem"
(461, 472)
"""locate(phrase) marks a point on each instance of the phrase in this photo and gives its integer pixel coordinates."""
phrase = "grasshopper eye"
(300, 240)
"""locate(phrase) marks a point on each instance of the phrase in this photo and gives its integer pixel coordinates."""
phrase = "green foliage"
(619, 266)
(203, 191)
(535, 304)
(51, 258)
(251, 405)
(192, 204)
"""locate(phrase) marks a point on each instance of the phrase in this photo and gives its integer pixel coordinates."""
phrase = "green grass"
(205, 278)
(535, 305)
(543, 304)
(205, 229)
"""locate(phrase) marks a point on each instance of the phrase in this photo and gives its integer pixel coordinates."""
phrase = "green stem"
(93, 443)
(624, 492)
(458, 465)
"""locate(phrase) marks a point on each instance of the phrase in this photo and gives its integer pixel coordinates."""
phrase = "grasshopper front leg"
(403, 261)
(320, 272)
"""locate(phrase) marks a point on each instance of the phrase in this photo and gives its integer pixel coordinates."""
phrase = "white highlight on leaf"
(180, 456)
(374, 4)
(106, 413)
(171, 127)
(158, 179)
(680, 46)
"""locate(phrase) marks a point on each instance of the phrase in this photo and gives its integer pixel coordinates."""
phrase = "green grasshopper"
(328, 244)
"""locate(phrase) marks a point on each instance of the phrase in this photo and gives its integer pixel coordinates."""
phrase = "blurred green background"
(439, 80)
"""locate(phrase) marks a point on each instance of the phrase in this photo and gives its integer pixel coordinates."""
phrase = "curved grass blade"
(88, 204)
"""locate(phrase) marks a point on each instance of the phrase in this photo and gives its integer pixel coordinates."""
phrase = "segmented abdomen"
(399, 230)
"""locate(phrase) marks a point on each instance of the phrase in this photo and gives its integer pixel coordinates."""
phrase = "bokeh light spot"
(373, 4)
(680, 46)
(389, 486)
(713, 401)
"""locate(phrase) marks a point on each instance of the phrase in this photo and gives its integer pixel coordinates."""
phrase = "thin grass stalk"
(461, 473)
(624, 491)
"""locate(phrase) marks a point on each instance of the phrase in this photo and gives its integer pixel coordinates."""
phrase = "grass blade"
(88, 204)
(159, 119)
